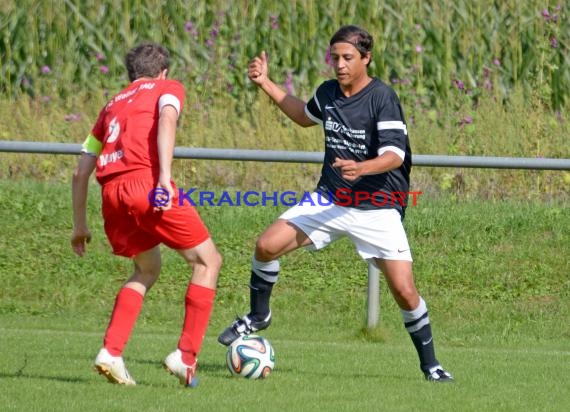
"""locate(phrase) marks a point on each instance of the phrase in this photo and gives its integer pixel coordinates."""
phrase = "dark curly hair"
(147, 60)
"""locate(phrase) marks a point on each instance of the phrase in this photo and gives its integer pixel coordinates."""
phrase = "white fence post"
(373, 301)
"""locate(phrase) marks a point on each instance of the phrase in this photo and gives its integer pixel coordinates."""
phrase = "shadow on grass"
(202, 366)
(25, 375)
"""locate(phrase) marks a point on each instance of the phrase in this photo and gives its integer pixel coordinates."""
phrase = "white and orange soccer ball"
(251, 356)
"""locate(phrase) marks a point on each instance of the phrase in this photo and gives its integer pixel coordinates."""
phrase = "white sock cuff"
(264, 269)
(411, 315)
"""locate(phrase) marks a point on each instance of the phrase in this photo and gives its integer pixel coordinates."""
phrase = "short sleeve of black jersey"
(313, 109)
(391, 125)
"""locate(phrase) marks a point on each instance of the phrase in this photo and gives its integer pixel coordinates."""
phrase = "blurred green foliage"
(426, 49)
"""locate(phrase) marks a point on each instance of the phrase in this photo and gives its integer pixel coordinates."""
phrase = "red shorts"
(132, 226)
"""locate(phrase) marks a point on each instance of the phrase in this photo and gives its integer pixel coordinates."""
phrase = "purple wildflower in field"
(465, 120)
(45, 69)
(191, 29)
(73, 117)
(497, 62)
(104, 69)
(419, 48)
(25, 82)
(274, 21)
(459, 84)
(328, 59)
(99, 56)
(418, 26)
(46, 99)
(214, 31)
(551, 18)
(487, 82)
(289, 83)
(553, 42)
(394, 80)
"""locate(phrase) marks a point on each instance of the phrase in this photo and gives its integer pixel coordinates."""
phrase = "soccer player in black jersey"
(362, 192)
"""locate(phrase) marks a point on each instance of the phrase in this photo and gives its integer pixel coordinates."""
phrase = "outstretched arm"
(79, 189)
(292, 106)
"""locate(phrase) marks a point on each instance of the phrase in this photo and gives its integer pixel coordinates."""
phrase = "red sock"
(128, 305)
(198, 307)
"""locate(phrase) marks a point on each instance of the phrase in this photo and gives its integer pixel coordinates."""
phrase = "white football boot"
(185, 373)
(113, 368)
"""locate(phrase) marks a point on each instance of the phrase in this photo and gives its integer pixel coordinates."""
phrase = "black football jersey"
(361, 127)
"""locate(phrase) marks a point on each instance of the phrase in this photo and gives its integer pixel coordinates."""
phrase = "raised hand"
(257, 69)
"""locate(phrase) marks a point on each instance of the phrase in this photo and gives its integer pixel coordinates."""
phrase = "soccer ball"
(250, 356)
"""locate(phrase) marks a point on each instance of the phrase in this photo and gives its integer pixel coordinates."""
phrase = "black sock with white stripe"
(263, 276)
(417, 324)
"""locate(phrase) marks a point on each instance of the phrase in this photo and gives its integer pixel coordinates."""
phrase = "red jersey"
(127, 127)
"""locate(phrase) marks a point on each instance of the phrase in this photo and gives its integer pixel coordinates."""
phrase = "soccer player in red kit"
(131, 148)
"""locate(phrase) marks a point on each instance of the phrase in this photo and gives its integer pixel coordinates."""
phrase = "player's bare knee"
(406, 296)
(211, 263)
(265, 250)
(215, 261)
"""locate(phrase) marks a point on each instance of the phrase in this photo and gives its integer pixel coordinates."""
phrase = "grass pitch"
(494, 275)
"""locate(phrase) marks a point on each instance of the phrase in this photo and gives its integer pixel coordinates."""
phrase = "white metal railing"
(536, 163)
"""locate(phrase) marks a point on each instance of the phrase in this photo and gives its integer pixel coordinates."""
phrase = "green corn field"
(425, 48)
(483, 78)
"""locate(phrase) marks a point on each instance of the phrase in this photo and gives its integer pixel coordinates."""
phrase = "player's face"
(348, 64)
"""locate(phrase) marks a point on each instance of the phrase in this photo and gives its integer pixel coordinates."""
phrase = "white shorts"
(377, 233)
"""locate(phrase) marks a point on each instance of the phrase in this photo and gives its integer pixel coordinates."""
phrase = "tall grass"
(475, 78)
(506, 130)
(422, 46)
